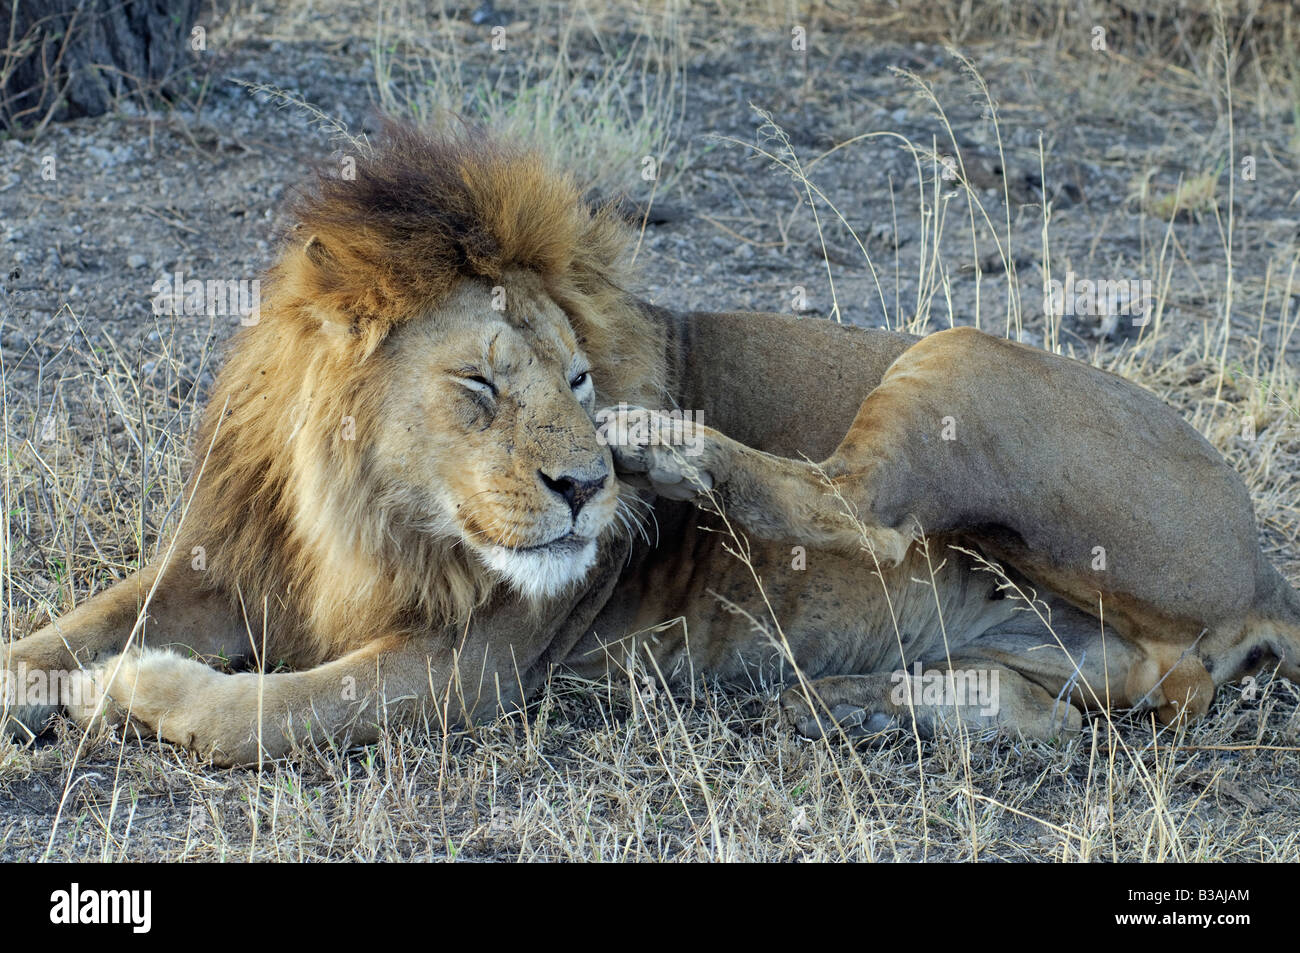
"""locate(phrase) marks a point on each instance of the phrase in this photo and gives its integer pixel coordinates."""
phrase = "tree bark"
(60, 59)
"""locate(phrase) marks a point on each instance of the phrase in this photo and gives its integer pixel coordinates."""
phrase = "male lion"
(407, 507)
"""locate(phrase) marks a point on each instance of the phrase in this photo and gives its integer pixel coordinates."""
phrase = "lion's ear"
(317, 253)
(344, 297)
(318, 278)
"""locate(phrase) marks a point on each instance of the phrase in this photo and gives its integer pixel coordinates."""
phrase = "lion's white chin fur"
(541, 573)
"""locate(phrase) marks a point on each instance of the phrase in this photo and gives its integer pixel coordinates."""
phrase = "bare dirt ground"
(926, 167)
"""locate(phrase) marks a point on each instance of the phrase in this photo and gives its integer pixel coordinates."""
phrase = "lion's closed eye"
(477, 383)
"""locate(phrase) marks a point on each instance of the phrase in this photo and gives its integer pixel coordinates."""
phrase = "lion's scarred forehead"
(499, 325)
(430, 217)
(532, 313)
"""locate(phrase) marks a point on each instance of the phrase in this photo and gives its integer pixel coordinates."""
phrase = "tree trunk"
(65, 58)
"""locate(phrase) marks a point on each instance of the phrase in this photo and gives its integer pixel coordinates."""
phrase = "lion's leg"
(235, 719)
(35, 671)
(978, 696)
(449, 676)
(228, 719)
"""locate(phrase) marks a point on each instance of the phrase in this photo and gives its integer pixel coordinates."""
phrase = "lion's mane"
(281, 501)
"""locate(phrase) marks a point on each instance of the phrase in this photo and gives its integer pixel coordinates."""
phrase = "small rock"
(136, 261)
(103, 158)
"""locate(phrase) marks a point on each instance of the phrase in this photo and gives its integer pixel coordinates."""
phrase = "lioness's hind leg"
(1097, 668)
(979, 698)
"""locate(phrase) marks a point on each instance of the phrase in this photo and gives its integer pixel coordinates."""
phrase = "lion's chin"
(542, 571)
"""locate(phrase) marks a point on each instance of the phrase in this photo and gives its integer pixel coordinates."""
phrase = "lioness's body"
(814, 375)
(401, 497)
(1160, 538)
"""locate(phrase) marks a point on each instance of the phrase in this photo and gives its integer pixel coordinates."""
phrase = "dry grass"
(93, 464)
(599, 123)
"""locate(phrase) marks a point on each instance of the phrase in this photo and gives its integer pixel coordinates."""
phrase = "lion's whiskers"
(642, 519)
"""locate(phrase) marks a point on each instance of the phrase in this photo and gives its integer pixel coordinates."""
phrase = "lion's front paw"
(157, 693)
(669, 454)
(180, 700)
(103, 693)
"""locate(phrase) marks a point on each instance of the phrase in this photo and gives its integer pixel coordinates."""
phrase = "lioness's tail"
(1277, 617)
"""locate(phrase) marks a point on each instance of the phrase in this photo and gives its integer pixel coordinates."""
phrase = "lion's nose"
(576, 490)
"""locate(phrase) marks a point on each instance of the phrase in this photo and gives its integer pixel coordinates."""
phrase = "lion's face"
(487, 434)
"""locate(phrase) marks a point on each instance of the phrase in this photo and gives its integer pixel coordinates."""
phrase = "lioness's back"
(815, 375)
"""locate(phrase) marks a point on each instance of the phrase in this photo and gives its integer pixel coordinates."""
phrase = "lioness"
(403, 493)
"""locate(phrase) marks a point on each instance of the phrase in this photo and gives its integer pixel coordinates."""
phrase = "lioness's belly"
(700, 610)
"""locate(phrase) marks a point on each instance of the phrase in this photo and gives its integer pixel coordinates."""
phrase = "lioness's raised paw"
(663, 452)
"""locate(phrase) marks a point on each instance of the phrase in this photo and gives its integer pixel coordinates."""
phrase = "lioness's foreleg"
(768, 496)
(895, 473)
